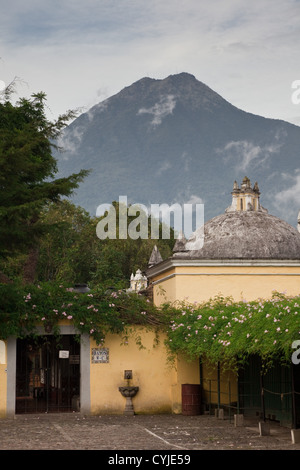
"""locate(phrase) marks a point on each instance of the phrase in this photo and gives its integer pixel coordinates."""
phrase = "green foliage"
(120, 257)
(70, 251)
(27, 169)
(95, 313)
(219, 330)
(229, 332)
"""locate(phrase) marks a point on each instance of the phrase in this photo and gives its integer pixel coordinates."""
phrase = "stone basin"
(128, 392)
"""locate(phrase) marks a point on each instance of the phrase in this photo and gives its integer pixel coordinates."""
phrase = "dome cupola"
(246, 231)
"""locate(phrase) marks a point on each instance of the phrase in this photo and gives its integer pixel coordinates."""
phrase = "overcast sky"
(81, 52)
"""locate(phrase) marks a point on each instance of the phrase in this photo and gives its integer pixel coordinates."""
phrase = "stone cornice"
(172, 263)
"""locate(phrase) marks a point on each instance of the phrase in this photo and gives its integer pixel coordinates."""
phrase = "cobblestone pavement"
(156, 432)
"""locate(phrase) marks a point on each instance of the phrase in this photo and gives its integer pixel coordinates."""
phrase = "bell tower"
(245, 198)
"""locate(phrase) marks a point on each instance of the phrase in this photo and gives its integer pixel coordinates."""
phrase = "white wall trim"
(170, 276)
(85, 395)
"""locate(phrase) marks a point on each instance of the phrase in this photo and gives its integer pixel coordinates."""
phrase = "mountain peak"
(175, 140)
(181, 77)
(175, 78)
(182, 86)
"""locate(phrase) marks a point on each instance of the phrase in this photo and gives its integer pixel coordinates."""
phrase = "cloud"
(194, 199)
(69, 141)
(249, 155)
(71, 49)
(187, 159)
(292, 193)
(160, 110)
(164, 167)
(286, 202)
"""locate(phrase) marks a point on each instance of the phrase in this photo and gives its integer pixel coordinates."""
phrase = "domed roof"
(244, 235)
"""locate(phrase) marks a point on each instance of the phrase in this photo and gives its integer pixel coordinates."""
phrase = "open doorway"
(48, 374)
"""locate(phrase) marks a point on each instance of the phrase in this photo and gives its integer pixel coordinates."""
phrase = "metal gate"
(48, 374)
(268, 395)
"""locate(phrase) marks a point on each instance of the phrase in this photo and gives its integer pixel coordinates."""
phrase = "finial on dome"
(235, 186)
(245, 198)
(255, 187)
(155, 257)
(246, 183)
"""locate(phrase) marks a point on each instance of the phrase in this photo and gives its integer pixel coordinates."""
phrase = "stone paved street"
(163, 432)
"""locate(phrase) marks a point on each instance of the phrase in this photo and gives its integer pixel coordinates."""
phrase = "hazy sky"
(81, 52)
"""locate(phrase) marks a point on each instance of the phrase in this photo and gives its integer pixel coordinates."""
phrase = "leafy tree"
(120, 257)
(27, 170)
(68, 252)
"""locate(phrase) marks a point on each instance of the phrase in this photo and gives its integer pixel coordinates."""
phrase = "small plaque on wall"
(63, 354)
(100, 355)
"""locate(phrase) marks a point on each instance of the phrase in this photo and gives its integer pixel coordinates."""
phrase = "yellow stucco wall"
(159, 381)
(200, 283)
(187, 372)
(3, 378)
(222, 389)
(241, 282)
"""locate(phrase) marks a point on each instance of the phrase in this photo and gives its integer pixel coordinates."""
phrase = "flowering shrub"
(98, 312)
(221, 330)
(228, 331)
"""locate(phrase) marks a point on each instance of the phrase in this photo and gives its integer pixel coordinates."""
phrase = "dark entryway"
(48, 374)
(273, 395)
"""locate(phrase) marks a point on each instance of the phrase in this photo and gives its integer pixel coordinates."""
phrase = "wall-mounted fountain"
(128, 392)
